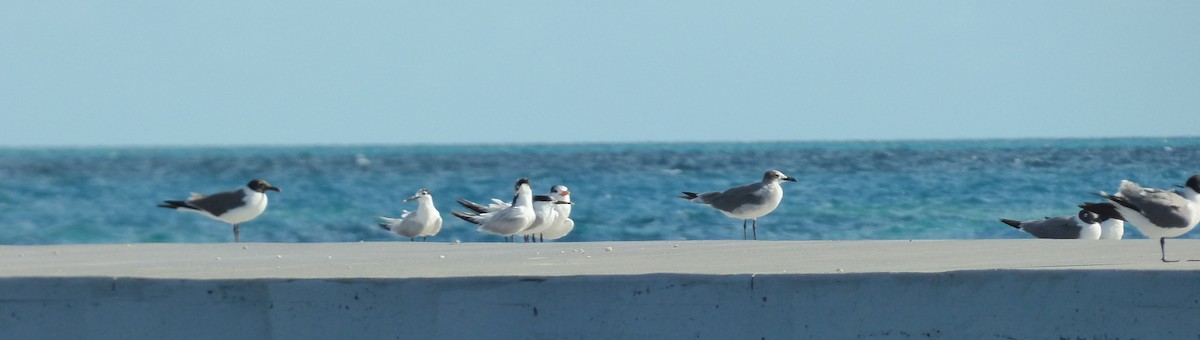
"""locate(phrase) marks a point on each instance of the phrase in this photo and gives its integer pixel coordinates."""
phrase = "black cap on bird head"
(1105, 211)
(1088, 216)
(261, 186)
(1193, 183)
(523, 180)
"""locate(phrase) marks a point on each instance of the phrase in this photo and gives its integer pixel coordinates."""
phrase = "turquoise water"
(846, 190)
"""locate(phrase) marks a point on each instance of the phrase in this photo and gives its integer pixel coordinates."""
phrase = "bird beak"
(565, 193)
(410, 198)
(789, 179)
(275, 189)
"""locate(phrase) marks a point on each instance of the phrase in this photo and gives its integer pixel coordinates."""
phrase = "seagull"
(233, 207)
(1082, 226)
(747, 202)
(1112, 226)
(507, 221)
(1159, 213)
(549, 210)
(424, 222)
(564, 224)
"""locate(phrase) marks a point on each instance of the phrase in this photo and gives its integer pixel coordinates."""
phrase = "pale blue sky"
(400, 72)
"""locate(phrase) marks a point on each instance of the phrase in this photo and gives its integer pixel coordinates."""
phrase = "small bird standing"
(747, 202)
(234, 207)
(423, 223)
(507, 221)
(564, 224)
(544, 207)
(549, 210)
(1082, 226)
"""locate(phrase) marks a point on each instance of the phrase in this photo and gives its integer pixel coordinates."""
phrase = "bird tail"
(1105, 210)
(1119, 199)
(1011, 223)
(476, 207)
(177, 205)
(476, 219)
(387, 222)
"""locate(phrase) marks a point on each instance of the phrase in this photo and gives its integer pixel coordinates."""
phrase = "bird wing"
(1054, 227)
(220, 203)
(1163, 208)
(496, 205)
(434, 228)
(733, 198)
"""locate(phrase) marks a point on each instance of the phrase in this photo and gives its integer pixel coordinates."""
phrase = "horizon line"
(583, 143)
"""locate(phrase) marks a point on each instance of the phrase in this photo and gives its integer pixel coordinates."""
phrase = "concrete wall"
(988, 304)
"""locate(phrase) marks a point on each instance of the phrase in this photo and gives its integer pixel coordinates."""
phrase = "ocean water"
(846, 190)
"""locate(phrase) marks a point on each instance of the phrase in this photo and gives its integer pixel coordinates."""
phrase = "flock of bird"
(536, 218)
(1157, 213)
(526, 216)
(544, 216)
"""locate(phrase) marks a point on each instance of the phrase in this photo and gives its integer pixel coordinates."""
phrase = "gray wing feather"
(220, 203)
(1055, 227)
(1163, 208)
(731, 199)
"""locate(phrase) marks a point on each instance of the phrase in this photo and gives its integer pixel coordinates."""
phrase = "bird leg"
(755, 229)
(424, 238)
(1162, 244)
(235, 233)
(744, 229)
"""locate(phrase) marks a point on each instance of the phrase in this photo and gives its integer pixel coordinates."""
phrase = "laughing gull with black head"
(1159, 213)
(424, 222)
(747, 202)
(507, 221)
(233, 207)
(1082, 226)
(1112, 227)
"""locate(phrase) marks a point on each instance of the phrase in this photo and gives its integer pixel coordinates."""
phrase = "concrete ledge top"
(446, 260)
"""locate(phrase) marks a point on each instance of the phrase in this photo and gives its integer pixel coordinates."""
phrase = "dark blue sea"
(952, 189)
